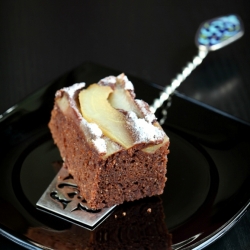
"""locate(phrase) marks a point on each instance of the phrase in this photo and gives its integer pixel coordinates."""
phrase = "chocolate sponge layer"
(124, 176)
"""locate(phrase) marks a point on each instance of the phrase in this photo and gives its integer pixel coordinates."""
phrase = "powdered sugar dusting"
(143, 131)
(127, 84)
(100, 145)
(94, 129)
(72, 89)
(108, 81)
(91, 130)
(94, 133)
(144, 107)
(113, 81)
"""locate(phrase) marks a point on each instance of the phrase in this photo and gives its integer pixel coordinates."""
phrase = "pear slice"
(96, 108)
(151, 149)
(122, 99)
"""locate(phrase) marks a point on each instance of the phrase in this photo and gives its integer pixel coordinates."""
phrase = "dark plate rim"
(25, 242)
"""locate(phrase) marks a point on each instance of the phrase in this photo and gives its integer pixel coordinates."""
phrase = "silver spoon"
(211, 35)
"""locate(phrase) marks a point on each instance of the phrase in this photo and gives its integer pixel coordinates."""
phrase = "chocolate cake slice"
(109, 141)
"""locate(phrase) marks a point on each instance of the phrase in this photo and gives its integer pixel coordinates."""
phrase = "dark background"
(153, 40)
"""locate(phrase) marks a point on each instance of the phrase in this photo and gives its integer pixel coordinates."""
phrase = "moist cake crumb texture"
(106, 173)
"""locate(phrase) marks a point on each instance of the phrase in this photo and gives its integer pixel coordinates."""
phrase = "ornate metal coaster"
(62, 199)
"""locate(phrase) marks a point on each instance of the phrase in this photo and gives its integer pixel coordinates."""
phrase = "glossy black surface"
(208, 169)
(41, 40)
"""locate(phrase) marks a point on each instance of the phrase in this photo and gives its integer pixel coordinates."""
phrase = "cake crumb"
(124, 213)
(115, 216)
(109, 165)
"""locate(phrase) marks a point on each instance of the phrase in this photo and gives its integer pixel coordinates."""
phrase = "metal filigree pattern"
(68, 195)
(62, 198)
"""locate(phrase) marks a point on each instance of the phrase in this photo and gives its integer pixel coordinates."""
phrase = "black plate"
(206, 191)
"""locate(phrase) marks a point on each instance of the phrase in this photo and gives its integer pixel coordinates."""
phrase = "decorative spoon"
(211, 35)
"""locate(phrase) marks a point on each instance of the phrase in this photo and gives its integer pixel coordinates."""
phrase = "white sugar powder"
(127, 84)
(148, 115)
(91, 129)
(72, 89)
(93, 132)
(142, 128)
(94, 129)
(108, 80)
(144, 131)
(100, 145)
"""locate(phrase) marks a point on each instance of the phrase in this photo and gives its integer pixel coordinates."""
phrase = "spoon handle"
(186, 71)
(212, 35)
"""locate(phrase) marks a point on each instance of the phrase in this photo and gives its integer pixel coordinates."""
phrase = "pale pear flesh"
(121, 99)
(96, 108)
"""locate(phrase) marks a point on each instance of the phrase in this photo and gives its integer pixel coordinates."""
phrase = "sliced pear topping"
(152, 149)
(95, 108)
(63, 103)
(122, 99)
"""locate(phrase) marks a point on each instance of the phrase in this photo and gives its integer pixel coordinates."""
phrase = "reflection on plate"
(133, 225)
(208, 175)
